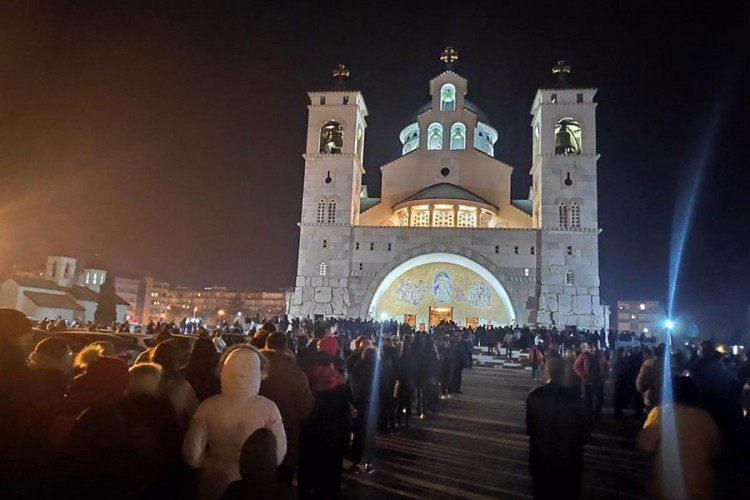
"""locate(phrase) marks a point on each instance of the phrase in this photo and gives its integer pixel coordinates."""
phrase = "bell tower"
(564, 155)
(564, 201)
(330, 198)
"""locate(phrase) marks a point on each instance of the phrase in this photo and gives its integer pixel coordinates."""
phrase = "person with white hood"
(223, 422)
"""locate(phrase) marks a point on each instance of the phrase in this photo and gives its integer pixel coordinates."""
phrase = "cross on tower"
(562, 70)
(340, 75)
(449, 55)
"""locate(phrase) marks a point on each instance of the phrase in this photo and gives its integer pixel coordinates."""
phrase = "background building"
(445, 241)
(215, 303)
(153, 303)
(640, 316)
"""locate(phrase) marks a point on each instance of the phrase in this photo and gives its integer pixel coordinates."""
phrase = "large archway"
(438, 285)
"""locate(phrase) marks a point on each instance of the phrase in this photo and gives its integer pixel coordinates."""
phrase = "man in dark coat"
(558, 427)
(288, 387)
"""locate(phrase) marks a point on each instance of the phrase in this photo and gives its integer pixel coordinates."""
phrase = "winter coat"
(180, 393)
(649, 381)
(287, 386)
(583, 368)
(223, 422)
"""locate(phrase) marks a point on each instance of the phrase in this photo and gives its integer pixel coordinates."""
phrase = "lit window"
(322, 269)
(435, 136)
(575, 215)
(645, 330)
(420, 218)
(525, 271)
(563, 214)
(332, 212)
(88, 278)
(448, 97)
(466, 218)
(442, 218)
(458, 136)
(94, 279)
(331, 138)
(567, 137)
(321, 211)
(403, 218)
(633, 316)
(569, 277)
(642, 307)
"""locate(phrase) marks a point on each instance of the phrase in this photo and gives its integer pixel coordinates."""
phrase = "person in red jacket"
(536, 358)
(591, 366)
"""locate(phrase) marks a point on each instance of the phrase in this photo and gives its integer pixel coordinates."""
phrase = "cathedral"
(445, 240)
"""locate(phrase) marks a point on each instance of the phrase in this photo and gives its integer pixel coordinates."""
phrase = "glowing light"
(669, 324)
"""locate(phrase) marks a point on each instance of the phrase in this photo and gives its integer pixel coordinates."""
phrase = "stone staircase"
(519, 359)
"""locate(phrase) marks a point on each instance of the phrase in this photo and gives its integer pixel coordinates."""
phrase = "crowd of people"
(197, 418)
(290, 402)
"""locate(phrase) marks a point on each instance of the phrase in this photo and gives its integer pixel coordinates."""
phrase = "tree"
(235, 305)
(106, 309)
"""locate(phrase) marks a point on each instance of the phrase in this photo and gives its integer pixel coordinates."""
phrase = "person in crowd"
(160, 337)
(259, 339)
(258, 463)
(130, 447)
(623, 387)
(406, 375)
(219, 343)
(389, 366)
(307, 351)
(201, 369)
(103, 382)
(360, 344)
(572, 380)
(461, 360)
(287, 386)
(173, 385)
(223, 422)
(324, 435)
(558, 429)
(591, 366)
(650, 377)
(536, 358)
(445, 368)
(365, 386)
(681, 469)
(719, 390)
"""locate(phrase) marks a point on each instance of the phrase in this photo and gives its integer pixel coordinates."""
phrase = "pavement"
(476, 448)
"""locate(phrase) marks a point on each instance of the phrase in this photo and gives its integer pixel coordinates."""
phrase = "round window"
(445, 171)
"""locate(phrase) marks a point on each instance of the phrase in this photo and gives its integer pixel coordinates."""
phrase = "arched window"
(332, 212)
(442, 217)
(466, 218)
(563, 212)
(575, 215)
(435, 136)
(322, 269)
(567, 137)
(569, 277)
(321, 211)
(403, 218)
(331, 138)
(448, 97)
(458, 136)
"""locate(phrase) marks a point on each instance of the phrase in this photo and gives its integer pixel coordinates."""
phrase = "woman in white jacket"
(223, 422)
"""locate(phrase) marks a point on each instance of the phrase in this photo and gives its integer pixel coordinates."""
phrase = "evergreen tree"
(106, 310)
(235, 305)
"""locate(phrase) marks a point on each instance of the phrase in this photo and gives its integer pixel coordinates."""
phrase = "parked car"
(126, 348)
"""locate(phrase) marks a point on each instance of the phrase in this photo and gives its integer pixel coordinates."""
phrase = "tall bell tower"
(331, 197)
(564, 194)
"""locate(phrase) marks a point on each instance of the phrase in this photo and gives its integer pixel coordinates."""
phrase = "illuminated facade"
(445, 240)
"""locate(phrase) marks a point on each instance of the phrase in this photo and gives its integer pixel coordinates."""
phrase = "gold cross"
(341, 71)
(449, 56)
(561, 68)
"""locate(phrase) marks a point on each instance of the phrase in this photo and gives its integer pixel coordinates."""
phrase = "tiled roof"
(89, 295)
(37, 283)
(53, 300)
(445, 191)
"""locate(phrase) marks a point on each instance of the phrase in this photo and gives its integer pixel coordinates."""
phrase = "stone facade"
(541, 253)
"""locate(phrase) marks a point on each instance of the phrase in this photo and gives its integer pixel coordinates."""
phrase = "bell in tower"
(567, 138)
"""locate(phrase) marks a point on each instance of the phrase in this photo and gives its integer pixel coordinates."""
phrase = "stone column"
(431, 209)
(455, 215)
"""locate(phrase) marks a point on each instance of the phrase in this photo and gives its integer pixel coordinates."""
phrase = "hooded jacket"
(223, 422)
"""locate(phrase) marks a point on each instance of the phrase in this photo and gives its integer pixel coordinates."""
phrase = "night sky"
(168, 136)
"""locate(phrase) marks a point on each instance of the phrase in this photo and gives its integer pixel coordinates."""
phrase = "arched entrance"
(434, 286)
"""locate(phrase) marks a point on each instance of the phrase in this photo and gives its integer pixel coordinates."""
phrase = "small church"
(444, 240)
(59, 291)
